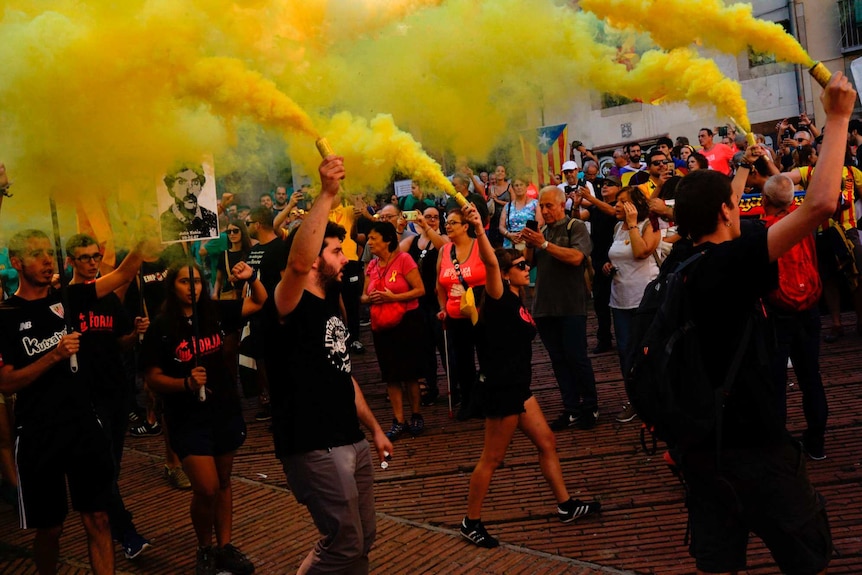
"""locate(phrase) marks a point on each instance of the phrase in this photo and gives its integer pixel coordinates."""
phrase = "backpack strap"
(722, 392)
(457, 266)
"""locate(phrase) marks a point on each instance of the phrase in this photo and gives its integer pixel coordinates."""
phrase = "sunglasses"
(87, 258)
(659, 162)
(521, 265)
(233, 230)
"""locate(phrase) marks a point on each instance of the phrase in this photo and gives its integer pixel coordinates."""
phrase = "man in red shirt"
(717, 155)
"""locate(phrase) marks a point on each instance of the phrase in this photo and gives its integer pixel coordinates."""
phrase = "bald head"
(778, 190)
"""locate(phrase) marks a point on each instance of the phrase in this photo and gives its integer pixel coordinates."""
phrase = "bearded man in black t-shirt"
(59, 436)
(316, 403)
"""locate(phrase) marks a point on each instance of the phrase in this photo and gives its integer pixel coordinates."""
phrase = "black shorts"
(213, 439)
(46, 459)
(500, 400)
(766, 492)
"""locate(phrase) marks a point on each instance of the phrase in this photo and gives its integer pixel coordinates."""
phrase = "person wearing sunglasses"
(425, 249)
(502, 393)
(658, 164)
(239, 244)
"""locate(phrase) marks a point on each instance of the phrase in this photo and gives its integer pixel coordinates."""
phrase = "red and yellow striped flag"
(544, 150)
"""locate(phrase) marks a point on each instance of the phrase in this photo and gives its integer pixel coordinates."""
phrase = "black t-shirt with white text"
(30, 329)
(311, 389)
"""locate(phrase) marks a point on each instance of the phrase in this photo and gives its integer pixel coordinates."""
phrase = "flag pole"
(64, 282)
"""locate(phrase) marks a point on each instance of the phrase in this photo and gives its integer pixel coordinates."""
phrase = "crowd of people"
(291, 282)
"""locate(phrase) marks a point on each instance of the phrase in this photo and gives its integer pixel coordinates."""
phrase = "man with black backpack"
(709, 343)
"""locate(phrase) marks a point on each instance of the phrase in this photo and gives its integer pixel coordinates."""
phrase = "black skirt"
(400, 350)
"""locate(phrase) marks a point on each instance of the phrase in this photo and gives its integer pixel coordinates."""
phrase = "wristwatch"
(544, 245)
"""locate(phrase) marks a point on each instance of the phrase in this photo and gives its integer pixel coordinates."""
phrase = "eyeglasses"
(452, 222)
(87, 258)
(432, 217)
(250, 222)
(233, 230)
(521, 265)
(659, 162)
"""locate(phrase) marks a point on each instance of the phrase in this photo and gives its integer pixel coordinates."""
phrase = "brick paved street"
(422, 496)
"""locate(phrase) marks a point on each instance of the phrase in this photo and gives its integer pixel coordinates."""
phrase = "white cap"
(570, 165)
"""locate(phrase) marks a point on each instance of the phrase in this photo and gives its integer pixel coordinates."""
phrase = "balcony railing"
(850, 17)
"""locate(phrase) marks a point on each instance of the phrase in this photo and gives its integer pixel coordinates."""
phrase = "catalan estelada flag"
(544, 150)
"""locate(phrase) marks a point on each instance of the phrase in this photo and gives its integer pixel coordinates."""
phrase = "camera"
(722, 131)
(532, 225)
(410, 215)
(787, 134)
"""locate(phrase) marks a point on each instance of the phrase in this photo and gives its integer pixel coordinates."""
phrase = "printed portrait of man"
(185, 218)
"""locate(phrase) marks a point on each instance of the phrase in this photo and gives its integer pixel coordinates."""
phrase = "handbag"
(232, 293)
(468, 298)
(387, 315)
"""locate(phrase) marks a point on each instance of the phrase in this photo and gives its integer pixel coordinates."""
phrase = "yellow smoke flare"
(374, 150)
(232, 90)
(712, 23)
(679, 76)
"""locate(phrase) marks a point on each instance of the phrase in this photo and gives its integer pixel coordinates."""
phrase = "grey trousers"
(336, 485)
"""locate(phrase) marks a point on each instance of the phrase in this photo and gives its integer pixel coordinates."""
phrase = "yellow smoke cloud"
(679, 76)
(99, 96)
(678, 23)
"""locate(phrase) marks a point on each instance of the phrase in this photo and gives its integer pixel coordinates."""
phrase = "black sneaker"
(396, 430)
(478, 535)
(570, 510)
(588, 419)
(229, 558)
(564, 421)
(265, 413)
(146, 429)
(813, 448)
(134, 544)
(206, 561)
(417, 424)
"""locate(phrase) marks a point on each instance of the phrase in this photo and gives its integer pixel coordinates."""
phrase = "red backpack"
(799, 285)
